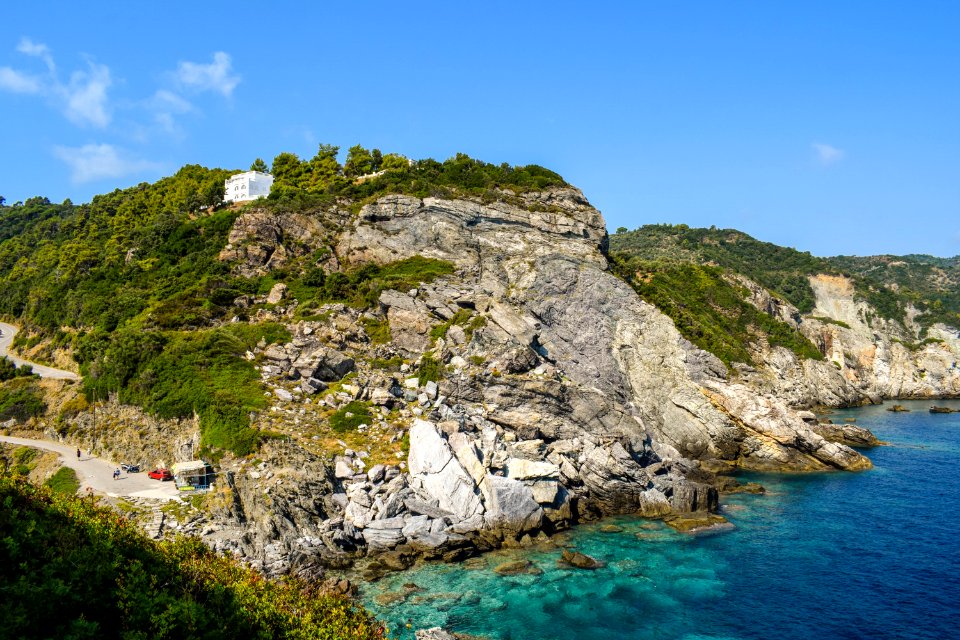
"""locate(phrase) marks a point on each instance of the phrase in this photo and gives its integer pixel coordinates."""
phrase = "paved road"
(7, 331)
(98, 474)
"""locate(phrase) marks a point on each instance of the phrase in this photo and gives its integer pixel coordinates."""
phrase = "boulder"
(521, 469)
(511, 507)
(379, 539)
(342, 468)
(420, 507)
(277, 293)
(440, 473)
(517, 567)
(323, 364)
(434, 633)
(579, 560)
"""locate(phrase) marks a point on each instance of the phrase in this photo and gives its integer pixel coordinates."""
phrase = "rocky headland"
(526, 391)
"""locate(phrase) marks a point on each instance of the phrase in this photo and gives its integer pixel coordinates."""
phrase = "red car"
(161, 474)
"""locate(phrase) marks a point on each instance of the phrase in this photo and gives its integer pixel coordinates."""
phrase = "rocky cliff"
(867, 358)
(560, 394)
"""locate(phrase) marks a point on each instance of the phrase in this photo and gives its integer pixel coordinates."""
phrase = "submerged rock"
(696, 522)
(943, 410)
(517, 567)
(728, 485)
(579, 560)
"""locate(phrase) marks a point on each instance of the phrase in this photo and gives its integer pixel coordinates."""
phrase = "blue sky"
(833, 127)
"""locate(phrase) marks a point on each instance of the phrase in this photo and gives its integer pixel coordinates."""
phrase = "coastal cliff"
(570, 398)
(405, 375)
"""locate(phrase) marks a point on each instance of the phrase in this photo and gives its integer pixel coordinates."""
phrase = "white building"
(249, 185)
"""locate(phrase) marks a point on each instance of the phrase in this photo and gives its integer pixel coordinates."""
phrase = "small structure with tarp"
(193, 475)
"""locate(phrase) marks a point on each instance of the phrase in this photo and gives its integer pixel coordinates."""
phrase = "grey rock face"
(511, 506)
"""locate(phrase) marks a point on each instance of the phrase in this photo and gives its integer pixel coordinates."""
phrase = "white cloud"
(165, 105)
(16, 82)
(37, 50)
(85, 98)
(216, 76)
(827, 154)
(99, 161)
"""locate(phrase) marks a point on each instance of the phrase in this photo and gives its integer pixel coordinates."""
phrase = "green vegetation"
(351, 416)
(781, 270)
(377, 330)
(890, 284)
(9, 370)
(303, 181)
(23, 459)
(461, 317)
(21, 399)
(387, 364)
(361, 287)
(139, 255)
(175, 374)
(916, 346)
(64, 481)
(431, 370)
(709, 311)
(72, 569)
(826, 320)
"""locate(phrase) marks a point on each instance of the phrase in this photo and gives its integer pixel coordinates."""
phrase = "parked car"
(130, 468)
(161, 474)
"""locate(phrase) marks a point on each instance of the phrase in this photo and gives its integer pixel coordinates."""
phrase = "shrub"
(351, 416)
(709, 311)
(64, 481)
(20, 399)
(461, 317)
(177, 374)
(377, 330)
(431, 370)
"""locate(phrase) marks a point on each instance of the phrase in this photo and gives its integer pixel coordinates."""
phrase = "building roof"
(251, 174)
(193, 465)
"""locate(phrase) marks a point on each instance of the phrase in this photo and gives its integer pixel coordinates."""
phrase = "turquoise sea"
(835, 555)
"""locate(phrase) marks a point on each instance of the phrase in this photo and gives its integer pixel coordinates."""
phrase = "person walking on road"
(116, 474)
(78, 455)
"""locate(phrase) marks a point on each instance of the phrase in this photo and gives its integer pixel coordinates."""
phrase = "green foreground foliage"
(72, 569)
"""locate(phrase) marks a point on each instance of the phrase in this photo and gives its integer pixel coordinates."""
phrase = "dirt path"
(7, 331)
(97, 474)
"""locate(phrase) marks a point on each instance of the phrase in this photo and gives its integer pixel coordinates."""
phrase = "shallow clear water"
(838, 555)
